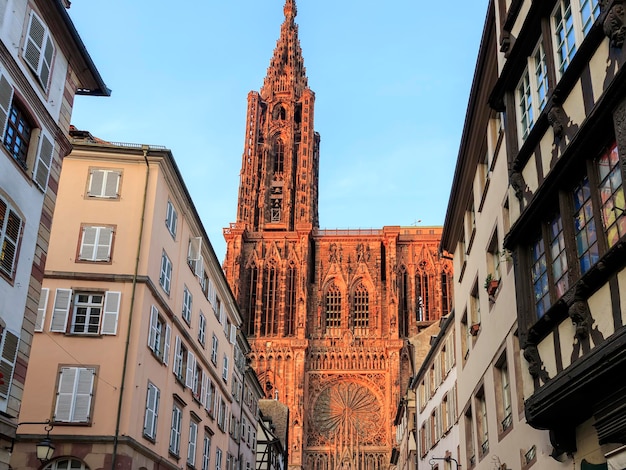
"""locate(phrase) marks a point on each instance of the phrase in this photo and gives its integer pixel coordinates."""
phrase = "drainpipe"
(145, 149)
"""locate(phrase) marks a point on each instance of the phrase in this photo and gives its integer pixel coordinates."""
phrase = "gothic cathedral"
(327, 312)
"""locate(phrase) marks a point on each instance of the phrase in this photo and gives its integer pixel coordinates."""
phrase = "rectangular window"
(171, 219)
(191, 448)
(539, 275)
(92, 313)
(39, 50)
(206, 452)
(541, 77)
(225, 369)
(165, 278)
(525, 103)
(589, 12)
(187, 304)
(10, 234)
(74, 395)
(214, 349)
(505, 391)
(104, 183)
(611, 195)
(152, 412)
(201, 328)
(19, 129)
(184, 364)
(221, 414)
(585, 226)
(558, 258)
(565, 35)
(218, 459)
(159, 336)
(95, 243)
(483, 434)
(177, 420)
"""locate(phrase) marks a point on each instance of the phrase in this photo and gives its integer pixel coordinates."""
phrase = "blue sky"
(391, 80)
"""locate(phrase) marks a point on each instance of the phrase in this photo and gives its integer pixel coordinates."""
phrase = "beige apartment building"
(43, 65)
(134, 352)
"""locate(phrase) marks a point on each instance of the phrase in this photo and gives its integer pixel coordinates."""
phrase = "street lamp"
(447, 458)
(45, 448)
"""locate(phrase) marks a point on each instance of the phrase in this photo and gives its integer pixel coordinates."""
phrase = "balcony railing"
(506, 422)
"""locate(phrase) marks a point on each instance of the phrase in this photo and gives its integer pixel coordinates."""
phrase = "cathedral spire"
(286, 73)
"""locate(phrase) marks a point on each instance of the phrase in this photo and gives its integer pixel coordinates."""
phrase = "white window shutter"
(46, 63)
(199, 267)
(233, 334)
(34, 42)
(88, 243)
(221, 313)
(111, 184)
(60, 310)
(191, 366)
(6, 96)
(96, 180)
(111, 312)
(166, 345)
(203, 389)
(195, 248)
(177, 355)
(44, 161)
(103, 248)
(82, 402)
(10, 344)
(152, 410)
(41, 309)
(154, 316)
(65, 394)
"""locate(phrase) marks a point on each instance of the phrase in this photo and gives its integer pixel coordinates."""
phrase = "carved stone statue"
(614, 27)
(535, 364)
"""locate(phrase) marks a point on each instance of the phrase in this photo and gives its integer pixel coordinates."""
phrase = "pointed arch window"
(333, 308)
(290, 307)
(446, 293)
(253, 277)
(269, 319)
(279, 156)
(423, 286)
(403, 301)
(361, 304)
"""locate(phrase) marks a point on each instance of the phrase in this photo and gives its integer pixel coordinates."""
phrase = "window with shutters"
(193, 438)
(85, 313)
(201, 329)
(177, 421)
(210, 397)
(165, 278)
(221, 415)
(9, 343)
(96, 243)
(11, 226)
(187, 304)
(31, 148)
(159, 336)
(152, 412)
(225, 368)
(195, 259)
(38, 50)
(184, 363)
(218, 459)
(75, 390)
(196, 383)
(214, 346)
(206, 452)
(104, 183)
(171, 219)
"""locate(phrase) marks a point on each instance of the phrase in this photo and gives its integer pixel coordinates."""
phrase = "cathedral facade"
(327, 312)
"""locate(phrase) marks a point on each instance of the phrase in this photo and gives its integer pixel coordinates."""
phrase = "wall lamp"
(447, 458)
(44, 448)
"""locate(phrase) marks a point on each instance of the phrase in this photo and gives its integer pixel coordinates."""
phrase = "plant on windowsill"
(474, 329)
(491, 284)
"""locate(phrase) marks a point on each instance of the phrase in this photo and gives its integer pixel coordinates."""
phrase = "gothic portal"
(327, 312)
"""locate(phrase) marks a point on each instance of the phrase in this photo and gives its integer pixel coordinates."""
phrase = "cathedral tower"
(328, 313)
